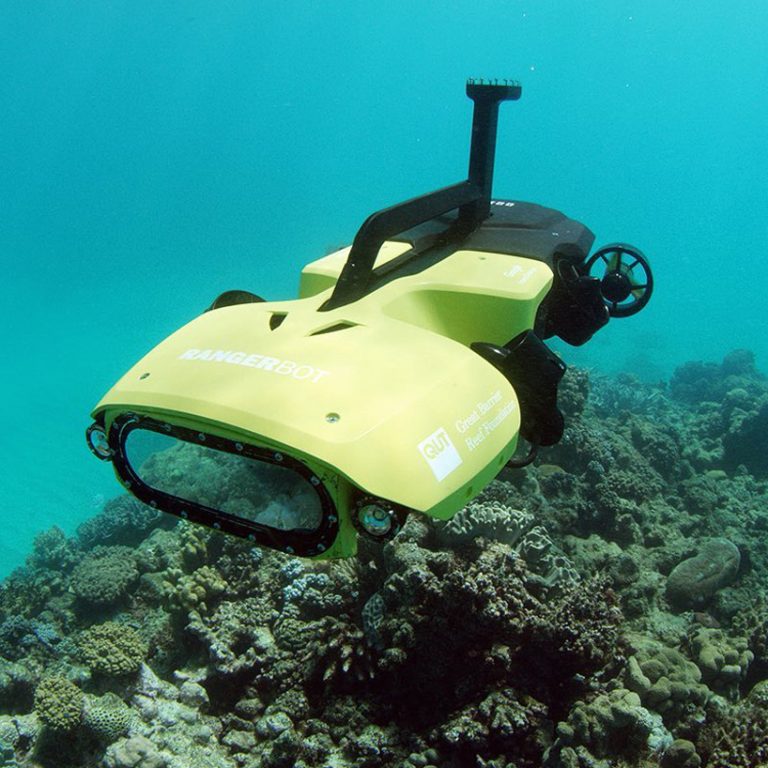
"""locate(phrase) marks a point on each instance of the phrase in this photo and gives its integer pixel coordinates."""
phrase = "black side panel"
(535, 372)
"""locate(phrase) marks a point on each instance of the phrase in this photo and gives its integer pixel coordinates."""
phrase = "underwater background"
(157, 154)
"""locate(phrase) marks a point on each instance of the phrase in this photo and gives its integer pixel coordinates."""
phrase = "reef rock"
(747, 442)
(136, 752)
(695, 580)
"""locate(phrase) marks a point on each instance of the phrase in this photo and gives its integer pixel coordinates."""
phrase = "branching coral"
(505, 723)
(340, 655)
(737, 737)
(427, 631)
(20, 637)
(52, 550)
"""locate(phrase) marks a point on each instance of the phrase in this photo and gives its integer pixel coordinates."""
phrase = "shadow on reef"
(604, 607)
(452, 625)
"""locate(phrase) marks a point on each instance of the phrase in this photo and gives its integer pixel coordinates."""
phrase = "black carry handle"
(380, 226)
(472, 197)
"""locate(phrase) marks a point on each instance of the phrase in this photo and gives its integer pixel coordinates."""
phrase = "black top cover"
(516, 228)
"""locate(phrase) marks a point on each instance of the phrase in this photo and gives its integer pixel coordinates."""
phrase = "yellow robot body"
(398, 381)
(341, 388)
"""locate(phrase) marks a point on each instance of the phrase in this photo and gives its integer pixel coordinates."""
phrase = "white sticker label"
(440, 453)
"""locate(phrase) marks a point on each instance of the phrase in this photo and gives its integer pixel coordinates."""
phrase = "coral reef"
(604, 607)
(737, 736)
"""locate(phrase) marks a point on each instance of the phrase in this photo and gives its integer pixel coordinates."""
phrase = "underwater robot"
(399, 382)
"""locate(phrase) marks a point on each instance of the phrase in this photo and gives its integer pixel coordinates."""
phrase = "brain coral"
(59, 703)
(693, 581)
(112, 649)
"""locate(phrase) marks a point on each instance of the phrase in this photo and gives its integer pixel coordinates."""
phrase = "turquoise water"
(154, 155)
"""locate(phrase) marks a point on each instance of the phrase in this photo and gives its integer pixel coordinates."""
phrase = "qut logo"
(435, 444)
(440, 453)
